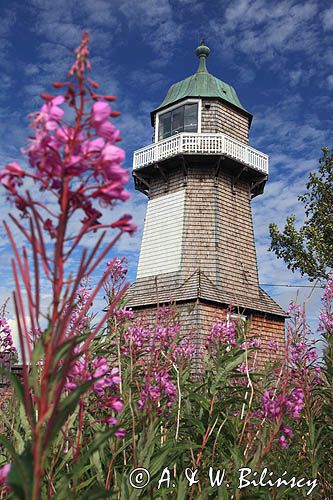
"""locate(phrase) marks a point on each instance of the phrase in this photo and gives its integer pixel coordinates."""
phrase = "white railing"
(200, 144)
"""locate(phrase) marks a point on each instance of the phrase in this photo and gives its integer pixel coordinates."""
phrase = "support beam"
(236, 178)
(185, 170)
(257, 184)
(217, 169)
(164, 176)
(142, 179)
(218, 166)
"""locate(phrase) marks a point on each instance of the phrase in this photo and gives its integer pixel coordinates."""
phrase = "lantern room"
(201, 115)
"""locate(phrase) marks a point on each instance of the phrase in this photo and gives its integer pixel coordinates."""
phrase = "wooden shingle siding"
(159, 187)
(218, 232)
(196, 320)
(265, 327)
(217, 117)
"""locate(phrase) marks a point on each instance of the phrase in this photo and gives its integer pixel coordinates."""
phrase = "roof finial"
(202, 52)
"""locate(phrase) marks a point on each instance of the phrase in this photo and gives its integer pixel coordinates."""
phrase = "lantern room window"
(180, 119)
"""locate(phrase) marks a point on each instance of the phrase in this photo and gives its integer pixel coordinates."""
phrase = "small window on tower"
(177, 120)
(191, 118)
(164, 126)
(181, 119)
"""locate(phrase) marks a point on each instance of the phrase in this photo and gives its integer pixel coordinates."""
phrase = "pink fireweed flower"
(11, 176)
(85, 155)
(77, 375)
(4, 471)
(7, 348)
(273, 345)
(110, 192)
(100, 111)
(223, 333)
(275, 404)
(298, 351)
(120, 433)
(106, 378)
(116, 173)
(123, 314)
(125, 224)
(13, 169)
(312, 356)
(117, 405)
(113, 154)
(100, 115)
(118, 270)
(158, 393)
(138, 336)
(50, 113)
(101, 367)
(110, 420)
(294, 309)
(82, 298)
(251, 343)
(295, 402)
(287, 431)
(82, 62)
(242, 368)
(114, 376)
(94, 146)
(107, 131)
(271, 404)
(98, 369)
(283, 442)
(185, 350)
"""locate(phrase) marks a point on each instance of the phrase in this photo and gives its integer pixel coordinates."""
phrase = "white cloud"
(330, 81)
(327, 18)
(267, 30)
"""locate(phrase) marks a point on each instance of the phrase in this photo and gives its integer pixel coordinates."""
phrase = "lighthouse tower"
(200, 175)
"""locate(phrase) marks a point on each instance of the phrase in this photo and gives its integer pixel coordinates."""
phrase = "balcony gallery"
(191, 143)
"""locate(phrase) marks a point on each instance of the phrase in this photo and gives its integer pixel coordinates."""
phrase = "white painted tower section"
(161, 247)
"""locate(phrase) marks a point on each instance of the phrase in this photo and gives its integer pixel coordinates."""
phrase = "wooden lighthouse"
(200, 175)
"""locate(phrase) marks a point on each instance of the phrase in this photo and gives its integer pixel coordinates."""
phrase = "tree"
(310, 249)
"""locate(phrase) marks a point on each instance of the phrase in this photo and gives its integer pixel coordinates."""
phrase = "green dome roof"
(201, 84)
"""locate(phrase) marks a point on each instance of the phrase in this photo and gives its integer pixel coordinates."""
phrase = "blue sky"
(277, 54)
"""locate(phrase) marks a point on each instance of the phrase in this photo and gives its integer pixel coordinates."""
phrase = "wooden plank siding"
(161, 247)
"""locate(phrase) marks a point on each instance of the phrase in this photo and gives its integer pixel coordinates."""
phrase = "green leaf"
(18, 387)
(37, 352)
(237, 360)
(182, 489)
(67, 407)
(96, 462)
(20, 476)
(25, 422)
(203, 400)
